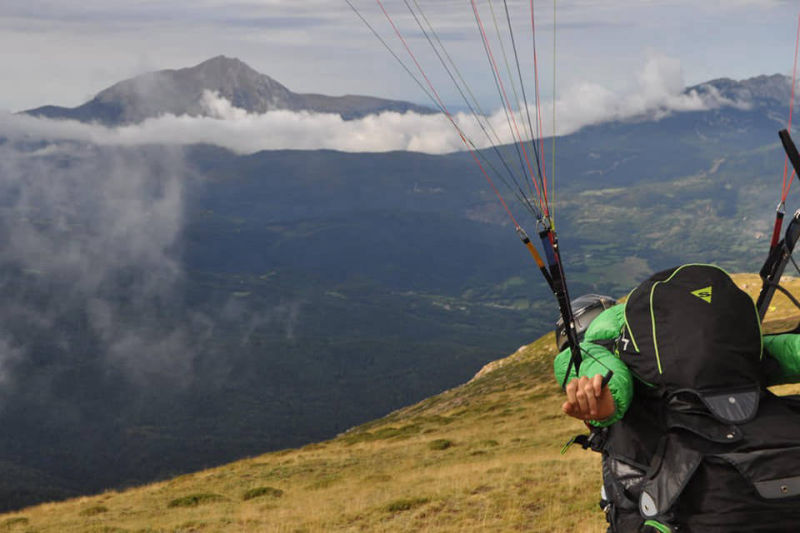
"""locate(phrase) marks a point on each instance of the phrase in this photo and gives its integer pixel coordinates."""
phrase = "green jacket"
(783, 349)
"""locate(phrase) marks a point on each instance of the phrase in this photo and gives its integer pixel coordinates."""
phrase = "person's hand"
(587, 399)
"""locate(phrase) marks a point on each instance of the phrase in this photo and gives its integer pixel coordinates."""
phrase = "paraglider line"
(785, 189)
(389, 48)
(553, 138)
(522, 195)
(505, 97)
(776, 230)
(522, 85)
(538, 103)
(447, 113)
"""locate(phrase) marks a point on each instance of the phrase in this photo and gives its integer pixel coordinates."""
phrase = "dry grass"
(481, 457)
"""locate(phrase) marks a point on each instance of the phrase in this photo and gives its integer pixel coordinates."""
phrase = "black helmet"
(584, 309)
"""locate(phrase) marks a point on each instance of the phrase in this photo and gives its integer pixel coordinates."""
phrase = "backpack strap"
(705, 426)
(674, 466)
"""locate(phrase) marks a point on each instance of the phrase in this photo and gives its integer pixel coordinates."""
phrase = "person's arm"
(583, 393)
(586, 398)
(785, 350)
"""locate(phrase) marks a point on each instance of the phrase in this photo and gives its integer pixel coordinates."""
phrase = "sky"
(63, 52)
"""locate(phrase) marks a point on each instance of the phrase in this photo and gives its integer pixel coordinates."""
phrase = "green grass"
(193, 500)
(405, 504)
(440, 444)
(259, 492)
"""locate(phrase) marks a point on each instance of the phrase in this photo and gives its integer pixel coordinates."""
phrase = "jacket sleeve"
(785, 350)
(598, 360)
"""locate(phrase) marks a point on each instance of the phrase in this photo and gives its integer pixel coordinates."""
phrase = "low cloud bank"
(92, 270)
(88, 245)
(657, 92)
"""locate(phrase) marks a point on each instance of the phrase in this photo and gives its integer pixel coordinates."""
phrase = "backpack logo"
(704, 294)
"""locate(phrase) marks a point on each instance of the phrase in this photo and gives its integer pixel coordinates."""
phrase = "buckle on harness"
(596, 440)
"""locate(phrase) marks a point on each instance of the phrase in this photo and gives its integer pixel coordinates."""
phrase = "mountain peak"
(222, 67)
(180, 92)
(222, 61)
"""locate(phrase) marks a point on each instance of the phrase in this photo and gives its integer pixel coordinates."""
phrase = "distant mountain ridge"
(180, 92)
(759, 91)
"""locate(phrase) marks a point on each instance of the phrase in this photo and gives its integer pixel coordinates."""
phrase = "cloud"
(107, 325)
(92, 272)
(284, 317)
(89, 260)
(657, 92)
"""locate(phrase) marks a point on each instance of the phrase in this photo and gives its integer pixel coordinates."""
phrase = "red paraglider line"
(789, 187)
(449, 116)
(538, 104)
(510, 110)
(785, 188)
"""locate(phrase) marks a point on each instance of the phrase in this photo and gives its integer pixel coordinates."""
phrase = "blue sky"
(63, 52)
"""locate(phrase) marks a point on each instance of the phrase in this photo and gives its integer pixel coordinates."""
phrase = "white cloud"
(90, 232)
(658, 91)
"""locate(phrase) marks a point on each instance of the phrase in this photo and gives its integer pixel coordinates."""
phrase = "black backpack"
(704, 446)
(692, 329)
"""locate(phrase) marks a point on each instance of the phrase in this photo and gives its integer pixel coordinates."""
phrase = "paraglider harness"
(705, 446)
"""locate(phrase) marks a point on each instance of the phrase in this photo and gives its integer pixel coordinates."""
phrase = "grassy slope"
(481, 457)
